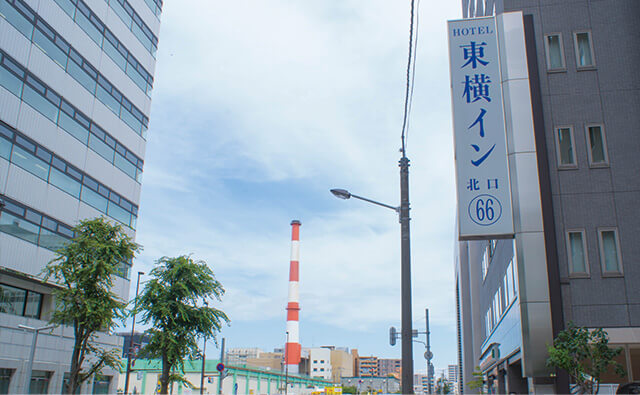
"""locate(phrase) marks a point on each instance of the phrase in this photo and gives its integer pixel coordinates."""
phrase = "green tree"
(585, 355)
(174, 301)
(442, 386)
(349, 389)
(478, 380)
(84, 269)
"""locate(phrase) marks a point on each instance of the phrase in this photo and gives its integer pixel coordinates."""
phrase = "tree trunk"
(72, 384)
(164, 378)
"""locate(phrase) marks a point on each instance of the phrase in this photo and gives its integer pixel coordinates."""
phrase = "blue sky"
(259, 108)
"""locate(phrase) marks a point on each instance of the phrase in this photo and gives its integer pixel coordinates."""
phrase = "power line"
(413, 72)
(410, 74)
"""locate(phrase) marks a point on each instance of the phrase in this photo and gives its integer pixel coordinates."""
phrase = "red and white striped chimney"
(292, 348)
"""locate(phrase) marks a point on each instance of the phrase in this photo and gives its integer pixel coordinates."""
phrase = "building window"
(576, 251)
(18, 301)
(39, 382)
(101, 385)
(597, 146)
(554, 52)
(610, 251)
(5, 380)
(565, 148)
(584, 49)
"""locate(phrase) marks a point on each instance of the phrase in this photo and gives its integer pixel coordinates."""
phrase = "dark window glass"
(33, 217)
(16, 19)
(34, 302)
(12, 299)
(5, 380)
(19, 227)
(39, 382)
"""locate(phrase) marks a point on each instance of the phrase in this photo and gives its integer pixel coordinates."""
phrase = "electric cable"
(409, 90)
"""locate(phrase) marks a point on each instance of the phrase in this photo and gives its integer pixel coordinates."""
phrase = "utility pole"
(428, 354)
(204, 349)
(221, 371)
(131, 348)
(407, 329)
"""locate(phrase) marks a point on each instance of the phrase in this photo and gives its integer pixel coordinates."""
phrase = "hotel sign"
(482, 168)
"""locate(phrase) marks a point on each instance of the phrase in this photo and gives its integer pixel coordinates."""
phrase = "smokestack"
(292, 348)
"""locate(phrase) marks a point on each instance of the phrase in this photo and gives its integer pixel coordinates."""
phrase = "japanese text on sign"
(482, 170)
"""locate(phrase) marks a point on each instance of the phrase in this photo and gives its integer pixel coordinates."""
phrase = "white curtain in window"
(610, 251)
(577, 253)
(584, 50)
(555, 53)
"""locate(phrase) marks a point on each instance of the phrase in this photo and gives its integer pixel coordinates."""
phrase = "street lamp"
(133, 325)
(405, 268)
(27, 374)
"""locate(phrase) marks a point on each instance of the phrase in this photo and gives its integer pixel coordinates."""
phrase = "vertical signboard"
(482, 169)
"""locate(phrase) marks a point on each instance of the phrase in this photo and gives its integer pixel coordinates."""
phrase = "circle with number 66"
(485, 210)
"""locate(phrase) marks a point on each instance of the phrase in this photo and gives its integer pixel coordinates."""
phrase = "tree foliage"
(174, 303)
(585, 355)
(349, 389)
(84, 269)
(478, 380)
(442, 386)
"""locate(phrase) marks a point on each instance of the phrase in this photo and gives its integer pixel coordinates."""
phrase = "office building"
(320, 363)
(388, 367)
(571, 98)
(76, 78)
(366, 366)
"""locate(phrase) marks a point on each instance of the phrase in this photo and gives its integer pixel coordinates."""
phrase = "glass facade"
(35, 159)
(59, 111)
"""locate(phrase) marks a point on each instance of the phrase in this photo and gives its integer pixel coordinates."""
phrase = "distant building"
(388, 367)
(240, 380)
(320, 363)
(341, 363)
(453, 377)
(267, 360)
(368, 366)
(387, 385)
(239, 356)
(139, 340)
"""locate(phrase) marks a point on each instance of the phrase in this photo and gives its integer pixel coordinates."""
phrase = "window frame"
(577, 52)
(587, 272)
(605, 149)
(605, 273)
(561, 166)
(547, 52)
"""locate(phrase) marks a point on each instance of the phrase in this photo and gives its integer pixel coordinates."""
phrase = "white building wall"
(320, 363)
(22, 260)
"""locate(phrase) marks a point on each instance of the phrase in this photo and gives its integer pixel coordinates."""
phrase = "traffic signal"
(393, 334)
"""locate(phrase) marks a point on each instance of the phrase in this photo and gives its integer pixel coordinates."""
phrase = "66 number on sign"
(485, 210)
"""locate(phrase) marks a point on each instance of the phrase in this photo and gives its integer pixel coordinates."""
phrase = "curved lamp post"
(405, 269)
(133, 326)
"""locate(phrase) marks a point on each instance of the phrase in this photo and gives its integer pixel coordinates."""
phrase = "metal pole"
(133, 326)
(286, 366)
(27, 379)
(32, 354)
(204, 349)
(429, 356)
(221, 373)
(407, 329)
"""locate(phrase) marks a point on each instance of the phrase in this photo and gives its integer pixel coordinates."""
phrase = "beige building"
(342, 363)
